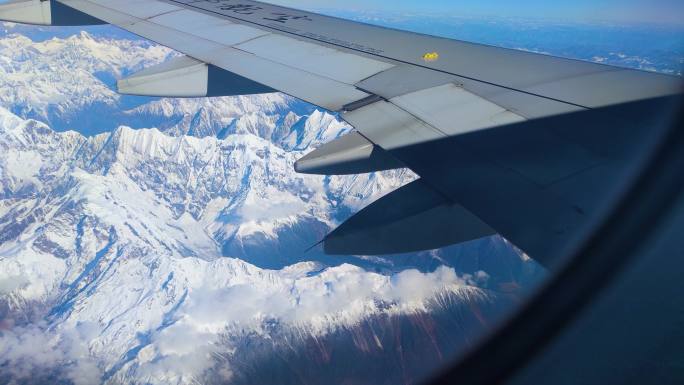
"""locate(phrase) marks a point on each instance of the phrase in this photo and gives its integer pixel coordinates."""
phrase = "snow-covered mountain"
(68, 84)
(115, 246)
(178, 253)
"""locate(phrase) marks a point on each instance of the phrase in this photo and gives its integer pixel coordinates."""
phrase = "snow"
(126, 238)
(23, 165)
(120, 240)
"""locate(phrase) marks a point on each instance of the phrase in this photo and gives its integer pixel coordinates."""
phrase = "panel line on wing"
(284, 31)
(297, 82)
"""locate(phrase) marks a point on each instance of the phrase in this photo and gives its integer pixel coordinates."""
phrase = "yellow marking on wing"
(431, 56)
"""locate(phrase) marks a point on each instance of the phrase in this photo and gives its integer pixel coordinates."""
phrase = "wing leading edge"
(475, 122)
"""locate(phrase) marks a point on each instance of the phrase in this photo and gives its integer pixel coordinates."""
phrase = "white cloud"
(10, 282)
(180, 353)
(274, 205)
(337, 297)
(23, 165)
(184, 349)
(28, 353)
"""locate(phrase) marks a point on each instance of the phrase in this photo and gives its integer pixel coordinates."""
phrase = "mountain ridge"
(144, 255)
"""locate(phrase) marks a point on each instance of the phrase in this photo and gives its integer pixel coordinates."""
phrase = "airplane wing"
(487, 129)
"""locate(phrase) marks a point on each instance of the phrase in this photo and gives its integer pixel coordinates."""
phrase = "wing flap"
(389, 126)
(187, 77)
(411, 218)
(403, 79)
(348, 154)
(454, 110)
(427, 114)
(179, 77)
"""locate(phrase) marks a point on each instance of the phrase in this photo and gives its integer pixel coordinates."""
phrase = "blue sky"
(651, 11)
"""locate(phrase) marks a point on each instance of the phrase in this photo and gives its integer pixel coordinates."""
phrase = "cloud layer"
(181, 348)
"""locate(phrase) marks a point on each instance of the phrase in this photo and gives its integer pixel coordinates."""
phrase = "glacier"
(157, 241)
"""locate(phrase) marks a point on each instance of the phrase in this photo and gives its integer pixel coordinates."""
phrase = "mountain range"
(157, 241)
